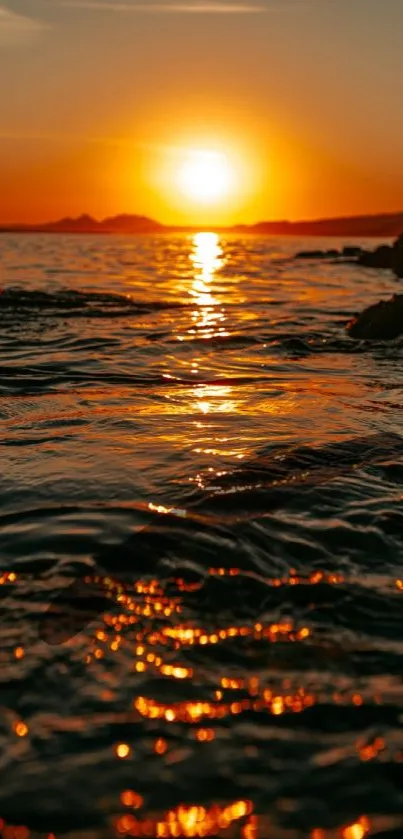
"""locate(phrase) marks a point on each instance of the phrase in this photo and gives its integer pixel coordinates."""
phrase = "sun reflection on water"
(208, 321)
(209, 317)
(207, 254)
(214, 398)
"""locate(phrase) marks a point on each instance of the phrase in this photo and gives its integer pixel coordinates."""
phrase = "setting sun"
(206, 176)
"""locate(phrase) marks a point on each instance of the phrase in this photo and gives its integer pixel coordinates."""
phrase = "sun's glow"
(202, 179)
(206, 177)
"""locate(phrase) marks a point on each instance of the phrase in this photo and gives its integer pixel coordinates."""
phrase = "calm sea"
(201, 543)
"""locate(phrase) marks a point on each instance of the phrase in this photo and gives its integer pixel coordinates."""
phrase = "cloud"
(15, 28)
(197, 7)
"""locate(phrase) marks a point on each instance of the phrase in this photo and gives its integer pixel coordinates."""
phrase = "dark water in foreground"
(211, 472)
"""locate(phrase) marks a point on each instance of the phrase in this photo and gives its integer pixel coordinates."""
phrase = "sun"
(206, 176)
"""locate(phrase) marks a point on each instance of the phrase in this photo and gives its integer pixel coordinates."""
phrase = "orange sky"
(105, 97)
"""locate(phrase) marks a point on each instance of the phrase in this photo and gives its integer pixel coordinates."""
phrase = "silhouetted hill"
(384, 225)
(87, 224)
(130, 224)
(83, 224)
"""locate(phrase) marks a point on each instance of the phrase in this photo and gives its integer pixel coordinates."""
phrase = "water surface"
(201, 542)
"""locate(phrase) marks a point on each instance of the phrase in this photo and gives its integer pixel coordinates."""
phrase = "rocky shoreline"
(383, 321)
(386, 257)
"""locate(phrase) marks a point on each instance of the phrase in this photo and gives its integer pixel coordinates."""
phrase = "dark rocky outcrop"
(382, 321)
(348, 253)
(310, 255)
(398, 256)
(384, 257)
(379, 258)
(330, 254)
(351, 252)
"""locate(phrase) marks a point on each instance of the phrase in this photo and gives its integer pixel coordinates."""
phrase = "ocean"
(201, 545)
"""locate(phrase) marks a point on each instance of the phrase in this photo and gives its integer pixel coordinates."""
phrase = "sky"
(101, 102)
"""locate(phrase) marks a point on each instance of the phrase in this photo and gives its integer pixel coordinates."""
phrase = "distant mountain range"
(87, 224)
(386, 225)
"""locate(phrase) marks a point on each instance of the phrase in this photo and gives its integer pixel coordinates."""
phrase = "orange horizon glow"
(196, 179)
(297, 131)
(210, 180)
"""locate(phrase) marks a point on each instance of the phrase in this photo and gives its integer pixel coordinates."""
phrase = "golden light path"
(207, 259)
(208, 318)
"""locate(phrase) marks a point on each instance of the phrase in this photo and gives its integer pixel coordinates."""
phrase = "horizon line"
(193, 225)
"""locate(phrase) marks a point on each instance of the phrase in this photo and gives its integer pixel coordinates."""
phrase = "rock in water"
(351, 252)
(381, 257)
(310, 255)
(381, 322)
(384, 257)
(398, 256)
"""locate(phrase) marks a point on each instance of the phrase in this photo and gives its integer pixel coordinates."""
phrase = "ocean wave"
(70, 303)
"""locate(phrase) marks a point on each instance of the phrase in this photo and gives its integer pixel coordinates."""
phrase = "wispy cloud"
(221, 7)
(197, 7)
(15, 28)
